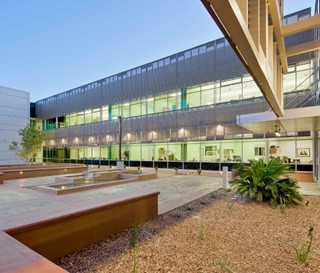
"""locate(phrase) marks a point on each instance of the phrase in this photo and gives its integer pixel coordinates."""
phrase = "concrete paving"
(21, 197)
(308, 188)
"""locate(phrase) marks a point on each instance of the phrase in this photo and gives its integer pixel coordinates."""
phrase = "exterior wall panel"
(14, 115)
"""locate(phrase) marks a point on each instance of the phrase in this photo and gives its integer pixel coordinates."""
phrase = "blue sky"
(50, 46)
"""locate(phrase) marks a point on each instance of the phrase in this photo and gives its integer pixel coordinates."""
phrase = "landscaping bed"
(220, 232)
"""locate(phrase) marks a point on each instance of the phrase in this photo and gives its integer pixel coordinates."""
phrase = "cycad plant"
(267, 182)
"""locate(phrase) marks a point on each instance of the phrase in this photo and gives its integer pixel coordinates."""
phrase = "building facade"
(181, 111)
(14, 115)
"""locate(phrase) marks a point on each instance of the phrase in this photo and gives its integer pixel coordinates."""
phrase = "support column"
(315, 155)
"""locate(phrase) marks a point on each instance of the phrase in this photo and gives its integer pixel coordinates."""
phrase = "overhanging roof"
(294, 120)
(254, 30)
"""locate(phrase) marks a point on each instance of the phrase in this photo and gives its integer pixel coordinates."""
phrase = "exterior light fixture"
(277, 131)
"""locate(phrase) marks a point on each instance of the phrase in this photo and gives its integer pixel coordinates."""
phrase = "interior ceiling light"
(277, 131)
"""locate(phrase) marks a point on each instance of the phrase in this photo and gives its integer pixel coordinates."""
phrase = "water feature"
(93, 180)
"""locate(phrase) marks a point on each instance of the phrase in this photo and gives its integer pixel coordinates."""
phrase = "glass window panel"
(209, 86)
(231, 92)
(304, 151)
(161, 152)
(147, 152)
(231, 151)
(126, 110)
(80, 118)
(179, 101)
(252, 150)
(303, 66)
(115, 110)
(135, 108)
(143, 108)
(192, 151)
(96, 115)
(174, 151)
(210, 151)
(303, 80)
(67, 120)
(114, 152)
(105, 113)
(135, 152)
(172, 101)
(160, 105)
(250, 90)
(73, 119)
(289, 82)
(88, 116)
(193, 97)
(207, 97)
(150, 106)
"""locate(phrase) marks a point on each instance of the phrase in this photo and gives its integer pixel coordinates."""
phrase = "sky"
(51, 46)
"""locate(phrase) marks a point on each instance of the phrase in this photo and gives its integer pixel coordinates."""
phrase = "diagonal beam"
(302, 25)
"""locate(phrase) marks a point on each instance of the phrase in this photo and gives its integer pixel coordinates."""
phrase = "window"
(80, 118)
(160, 104)
(150, 106)
(126, 109)
(193, 97)
(105, 113)
(135, 109)
(88, 116)
(172, 101)
(96, 115)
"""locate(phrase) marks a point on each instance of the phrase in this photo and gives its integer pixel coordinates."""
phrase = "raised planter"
(58, 236)
(37, 171)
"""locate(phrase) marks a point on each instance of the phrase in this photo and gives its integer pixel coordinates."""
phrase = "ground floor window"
(291, 150)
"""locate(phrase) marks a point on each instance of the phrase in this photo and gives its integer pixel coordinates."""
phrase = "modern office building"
(186, 111)
(14, 115)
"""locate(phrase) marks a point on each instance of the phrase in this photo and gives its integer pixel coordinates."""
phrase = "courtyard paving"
(20, 199)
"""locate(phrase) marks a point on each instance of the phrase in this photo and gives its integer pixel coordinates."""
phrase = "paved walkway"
(19, 198)
(307, 188)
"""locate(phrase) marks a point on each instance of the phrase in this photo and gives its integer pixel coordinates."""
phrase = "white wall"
(14, 115)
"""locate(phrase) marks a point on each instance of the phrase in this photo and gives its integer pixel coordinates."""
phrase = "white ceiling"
(294, 120)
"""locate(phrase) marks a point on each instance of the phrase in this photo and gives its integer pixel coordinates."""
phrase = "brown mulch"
(208, 235)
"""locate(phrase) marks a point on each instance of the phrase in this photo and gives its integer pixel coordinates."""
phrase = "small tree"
(30, 144)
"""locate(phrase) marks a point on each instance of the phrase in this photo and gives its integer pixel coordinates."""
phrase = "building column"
(315, 158)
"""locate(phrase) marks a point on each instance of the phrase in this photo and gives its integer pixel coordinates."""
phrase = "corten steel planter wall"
(57, 237)
(17, 173)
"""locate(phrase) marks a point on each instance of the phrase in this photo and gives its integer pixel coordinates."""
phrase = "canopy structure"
(255, 30)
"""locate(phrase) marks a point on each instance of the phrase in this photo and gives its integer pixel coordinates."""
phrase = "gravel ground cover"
(219, 232)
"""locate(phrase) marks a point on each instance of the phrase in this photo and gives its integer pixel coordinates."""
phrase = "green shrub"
(199, 171)
(267, 182)
(177, 215)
